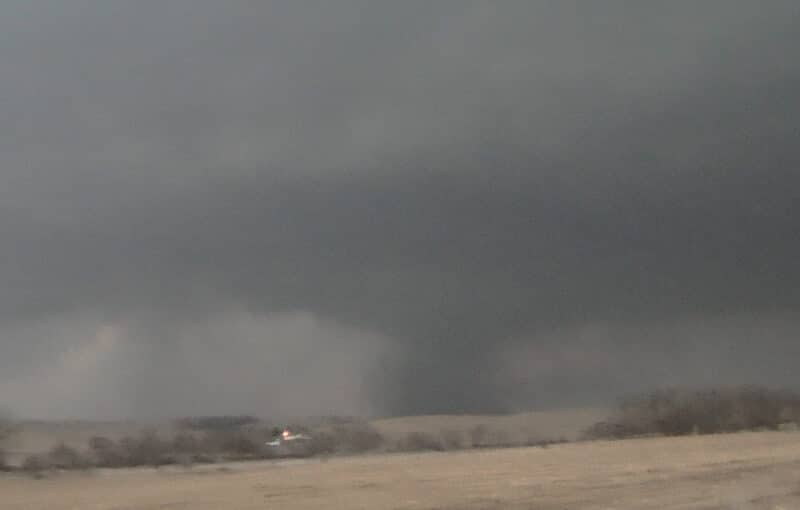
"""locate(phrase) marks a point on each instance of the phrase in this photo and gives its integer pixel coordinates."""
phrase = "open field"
(732, 471)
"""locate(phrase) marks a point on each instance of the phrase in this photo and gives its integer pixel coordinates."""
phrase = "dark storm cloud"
(433, 206)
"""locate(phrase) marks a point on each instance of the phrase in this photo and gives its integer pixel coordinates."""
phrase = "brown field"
(733, 471)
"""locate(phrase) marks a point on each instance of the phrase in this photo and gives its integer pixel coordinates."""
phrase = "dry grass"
(733, 471)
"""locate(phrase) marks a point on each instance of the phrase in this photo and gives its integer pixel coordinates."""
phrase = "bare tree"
(6, 428)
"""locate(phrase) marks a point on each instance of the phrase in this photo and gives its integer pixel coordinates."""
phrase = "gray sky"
(365, 207)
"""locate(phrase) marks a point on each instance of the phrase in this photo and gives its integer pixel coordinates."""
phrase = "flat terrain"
(733, 471)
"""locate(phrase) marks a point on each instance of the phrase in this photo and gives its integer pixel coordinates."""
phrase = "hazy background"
(374, 207)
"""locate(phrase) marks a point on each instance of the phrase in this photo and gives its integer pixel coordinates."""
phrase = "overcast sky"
(383, 207)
